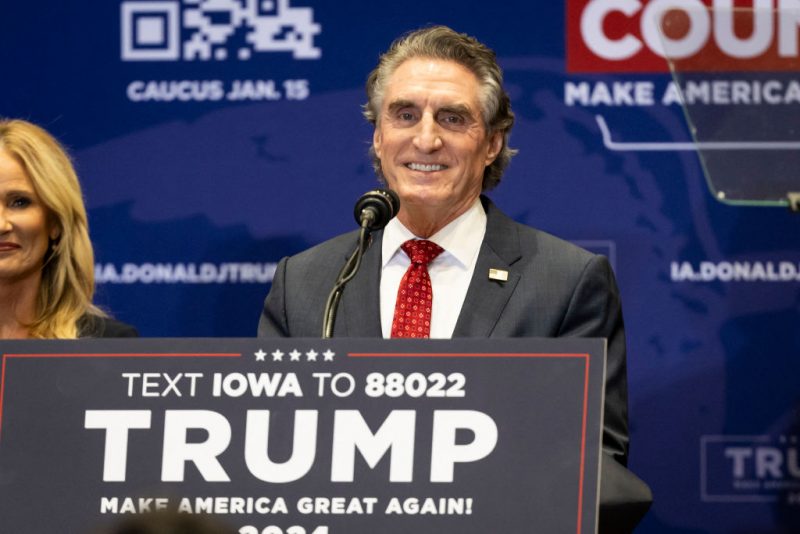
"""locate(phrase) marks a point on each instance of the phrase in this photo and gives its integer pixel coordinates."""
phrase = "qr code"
(207, 30)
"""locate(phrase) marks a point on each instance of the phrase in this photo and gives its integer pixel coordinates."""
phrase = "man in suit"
(451, 264)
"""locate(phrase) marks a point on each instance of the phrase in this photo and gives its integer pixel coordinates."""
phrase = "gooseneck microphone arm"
(345, 275)
(372, 212)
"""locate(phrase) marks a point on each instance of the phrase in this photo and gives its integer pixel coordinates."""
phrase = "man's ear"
(495, 146)
(377, 141)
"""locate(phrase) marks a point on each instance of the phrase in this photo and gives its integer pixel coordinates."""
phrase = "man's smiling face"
(431, 139)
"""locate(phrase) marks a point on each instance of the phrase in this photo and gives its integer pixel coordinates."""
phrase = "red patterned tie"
(412, 311)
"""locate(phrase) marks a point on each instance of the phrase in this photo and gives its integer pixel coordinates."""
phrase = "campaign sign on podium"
(303, 435)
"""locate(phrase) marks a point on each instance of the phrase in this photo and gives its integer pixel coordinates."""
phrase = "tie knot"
(421, 251)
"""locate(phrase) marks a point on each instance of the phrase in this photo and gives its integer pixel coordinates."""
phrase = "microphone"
(372, 212)
(376, 208)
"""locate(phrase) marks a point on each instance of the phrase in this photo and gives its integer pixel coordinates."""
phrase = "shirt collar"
(461, 238)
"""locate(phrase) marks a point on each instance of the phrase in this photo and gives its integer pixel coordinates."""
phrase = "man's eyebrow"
(458, 109)
(400, 104)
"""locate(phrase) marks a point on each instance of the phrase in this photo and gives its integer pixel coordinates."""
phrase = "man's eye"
(405, 116)
(452, 118)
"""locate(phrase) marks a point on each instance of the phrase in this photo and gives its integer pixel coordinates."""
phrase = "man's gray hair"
(441, 42)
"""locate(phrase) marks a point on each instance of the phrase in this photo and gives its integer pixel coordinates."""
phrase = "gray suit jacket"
(554, 289)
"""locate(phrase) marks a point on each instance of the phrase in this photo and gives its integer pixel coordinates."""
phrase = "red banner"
(699, 35)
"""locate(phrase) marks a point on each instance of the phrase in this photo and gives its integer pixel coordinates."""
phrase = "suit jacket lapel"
(360, 315)
(486, 298)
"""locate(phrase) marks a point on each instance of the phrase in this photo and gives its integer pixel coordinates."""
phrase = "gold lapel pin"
(498, 274)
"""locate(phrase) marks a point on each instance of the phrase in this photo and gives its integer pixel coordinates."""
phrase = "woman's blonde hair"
(67, 286)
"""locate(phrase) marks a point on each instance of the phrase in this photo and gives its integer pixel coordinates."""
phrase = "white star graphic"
(295, 355)
(311, 355)
(328, 355)
(277, 356)
(260, 355)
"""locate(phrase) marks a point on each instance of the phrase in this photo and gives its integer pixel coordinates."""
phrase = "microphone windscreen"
(379, 205)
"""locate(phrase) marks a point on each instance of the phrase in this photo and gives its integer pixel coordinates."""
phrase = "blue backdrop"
(213, 137)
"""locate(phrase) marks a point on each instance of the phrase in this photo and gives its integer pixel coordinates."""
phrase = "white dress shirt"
(450, 272)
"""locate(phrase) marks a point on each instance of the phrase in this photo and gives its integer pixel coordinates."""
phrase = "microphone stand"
(345, 275)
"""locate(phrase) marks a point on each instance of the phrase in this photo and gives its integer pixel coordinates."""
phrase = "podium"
(304, 435)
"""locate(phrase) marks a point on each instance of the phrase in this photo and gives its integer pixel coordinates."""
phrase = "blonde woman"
(46, 258)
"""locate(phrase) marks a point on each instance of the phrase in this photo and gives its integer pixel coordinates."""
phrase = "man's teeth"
(425, 168)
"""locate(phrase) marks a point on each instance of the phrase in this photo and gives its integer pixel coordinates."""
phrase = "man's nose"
(428, 138)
